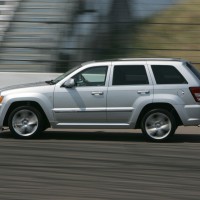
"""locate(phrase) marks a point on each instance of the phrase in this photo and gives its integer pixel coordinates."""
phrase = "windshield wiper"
(51, 82)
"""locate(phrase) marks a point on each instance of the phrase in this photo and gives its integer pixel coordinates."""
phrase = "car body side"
(136, 99)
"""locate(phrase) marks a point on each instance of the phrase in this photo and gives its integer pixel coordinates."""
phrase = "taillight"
(195, 93)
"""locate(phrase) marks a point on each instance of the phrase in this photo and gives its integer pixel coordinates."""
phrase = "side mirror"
(69, 83)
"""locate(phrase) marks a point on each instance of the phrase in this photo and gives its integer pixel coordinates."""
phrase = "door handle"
(96, 93)
(143, 91)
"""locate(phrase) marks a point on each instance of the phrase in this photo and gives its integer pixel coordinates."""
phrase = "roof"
(137, 59)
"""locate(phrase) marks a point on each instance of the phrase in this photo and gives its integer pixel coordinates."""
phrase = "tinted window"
(166, 74)
(129, 75)
(194, 70)
(94, 76)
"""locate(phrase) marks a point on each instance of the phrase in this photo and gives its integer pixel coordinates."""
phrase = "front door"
(85, 103)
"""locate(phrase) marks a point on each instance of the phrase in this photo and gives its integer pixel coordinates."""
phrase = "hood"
(27, 85)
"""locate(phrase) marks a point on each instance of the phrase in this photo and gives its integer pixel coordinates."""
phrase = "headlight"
(1, 99)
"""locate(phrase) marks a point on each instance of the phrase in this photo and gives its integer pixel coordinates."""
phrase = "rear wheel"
(158, 125)
(25, 122)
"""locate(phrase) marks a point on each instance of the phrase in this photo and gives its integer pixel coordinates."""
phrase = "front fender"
(45, 102)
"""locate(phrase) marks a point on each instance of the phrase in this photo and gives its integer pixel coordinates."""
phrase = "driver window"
(94, 76)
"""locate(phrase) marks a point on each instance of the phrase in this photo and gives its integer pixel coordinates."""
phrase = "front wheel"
(158, 125)
(25, 122)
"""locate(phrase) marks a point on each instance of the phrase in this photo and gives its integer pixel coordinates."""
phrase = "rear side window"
(167, 74)
(130, 75)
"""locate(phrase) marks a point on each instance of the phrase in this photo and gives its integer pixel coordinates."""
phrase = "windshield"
(59, 78)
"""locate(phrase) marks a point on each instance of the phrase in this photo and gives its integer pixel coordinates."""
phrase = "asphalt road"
(95, 165)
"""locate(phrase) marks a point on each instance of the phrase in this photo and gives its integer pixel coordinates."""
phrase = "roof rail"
(135, 59)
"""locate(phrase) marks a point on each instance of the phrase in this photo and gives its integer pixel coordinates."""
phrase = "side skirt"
(92, 125)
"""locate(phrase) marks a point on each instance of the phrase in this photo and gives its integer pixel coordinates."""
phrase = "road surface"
(115, 164)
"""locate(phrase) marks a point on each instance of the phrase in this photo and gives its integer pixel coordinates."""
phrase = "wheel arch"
(165, 106)
(26, 103)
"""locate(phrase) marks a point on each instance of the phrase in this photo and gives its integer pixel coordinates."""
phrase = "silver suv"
(155, 95)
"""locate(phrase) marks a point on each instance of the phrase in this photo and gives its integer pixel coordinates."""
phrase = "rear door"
(130, 89)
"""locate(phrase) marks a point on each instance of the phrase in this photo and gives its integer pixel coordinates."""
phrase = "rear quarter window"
(167, 74)
(194, 70)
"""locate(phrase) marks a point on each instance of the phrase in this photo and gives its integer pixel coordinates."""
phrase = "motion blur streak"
(97, 165)
(52, 36)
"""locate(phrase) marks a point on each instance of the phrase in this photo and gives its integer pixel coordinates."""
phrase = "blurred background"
(54, 35)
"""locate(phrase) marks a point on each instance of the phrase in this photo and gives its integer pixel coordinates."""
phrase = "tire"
(25, 122)
(158, 125)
